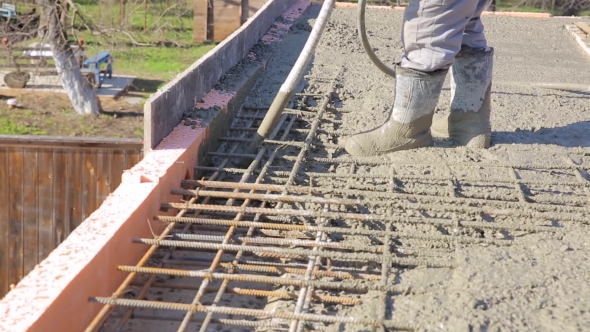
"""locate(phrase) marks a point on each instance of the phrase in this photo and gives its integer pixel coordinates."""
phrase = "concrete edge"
(485, 13)
(582, 39)
(58, 287)
(164, 109)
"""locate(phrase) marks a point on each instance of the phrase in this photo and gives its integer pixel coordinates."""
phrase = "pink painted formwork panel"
(55, 295)
(45, 299)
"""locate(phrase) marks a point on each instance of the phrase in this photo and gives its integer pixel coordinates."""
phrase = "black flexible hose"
(362, 31)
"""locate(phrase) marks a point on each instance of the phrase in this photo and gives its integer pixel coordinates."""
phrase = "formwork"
(307, 238)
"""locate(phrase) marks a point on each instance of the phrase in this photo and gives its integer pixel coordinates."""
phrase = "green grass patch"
(9, 126)
(525, 9)
(153, 62)
(152, 65)
(153, 46)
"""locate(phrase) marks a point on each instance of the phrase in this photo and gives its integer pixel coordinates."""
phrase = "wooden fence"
(215, 20)
(48, 186)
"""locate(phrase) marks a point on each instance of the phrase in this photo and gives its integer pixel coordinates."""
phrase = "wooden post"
(227, 17)
(200, 21)
(121, 12)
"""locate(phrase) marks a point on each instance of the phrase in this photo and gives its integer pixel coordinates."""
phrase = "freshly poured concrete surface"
(542, 284)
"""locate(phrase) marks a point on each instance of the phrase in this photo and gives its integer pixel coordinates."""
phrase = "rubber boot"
(468, 123)
(408, 125)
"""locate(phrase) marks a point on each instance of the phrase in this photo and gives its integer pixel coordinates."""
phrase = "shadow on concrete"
(572, 135)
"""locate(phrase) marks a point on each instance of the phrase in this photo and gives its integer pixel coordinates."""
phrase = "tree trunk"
(121, 12)
(42, 20)
(81, 95)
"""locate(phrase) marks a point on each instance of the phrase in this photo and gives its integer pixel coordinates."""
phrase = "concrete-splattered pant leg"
(434, 31)
(474, 36)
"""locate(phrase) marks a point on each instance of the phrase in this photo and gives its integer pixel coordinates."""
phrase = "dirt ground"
(52, 114)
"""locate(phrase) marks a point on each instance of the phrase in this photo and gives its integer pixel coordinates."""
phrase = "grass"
(9, 126)
(152, 65)
(528, 9)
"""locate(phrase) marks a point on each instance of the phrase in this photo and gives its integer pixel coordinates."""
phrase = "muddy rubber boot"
(468, 123)
(408, 126)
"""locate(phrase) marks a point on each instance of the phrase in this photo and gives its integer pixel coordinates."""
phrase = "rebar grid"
(304, 234)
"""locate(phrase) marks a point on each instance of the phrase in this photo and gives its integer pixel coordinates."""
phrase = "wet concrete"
(530, 287)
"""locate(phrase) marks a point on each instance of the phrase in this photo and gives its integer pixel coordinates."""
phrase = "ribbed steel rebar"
(252, 312)
(339, 230)
(377, 217)
(351, 202)
(379, 161)
(300, 252)
(426, 200)
(359, 285)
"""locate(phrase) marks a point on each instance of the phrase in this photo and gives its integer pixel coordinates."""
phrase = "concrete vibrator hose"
(362, 31)
(288, 88)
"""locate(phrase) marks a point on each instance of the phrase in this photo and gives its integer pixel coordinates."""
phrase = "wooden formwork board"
(585, 27)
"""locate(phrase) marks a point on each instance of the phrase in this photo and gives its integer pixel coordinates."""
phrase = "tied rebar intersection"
(296, 240)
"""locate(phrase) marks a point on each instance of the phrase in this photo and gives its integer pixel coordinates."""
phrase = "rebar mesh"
(270, 247)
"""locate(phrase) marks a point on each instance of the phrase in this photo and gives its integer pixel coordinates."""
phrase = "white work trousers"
(434, 31)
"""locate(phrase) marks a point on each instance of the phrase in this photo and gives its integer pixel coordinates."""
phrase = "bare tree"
(574, 7)
(566, 7)
(82, 96)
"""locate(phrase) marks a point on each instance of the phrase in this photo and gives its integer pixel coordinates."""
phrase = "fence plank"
(226, 18)
(103, 179)
(4, 217)
(74, 189)
(15, 218)
(131, 159)
(61, 219)
(89, 171)
(30, 220)
(117, 167)
(45, 160)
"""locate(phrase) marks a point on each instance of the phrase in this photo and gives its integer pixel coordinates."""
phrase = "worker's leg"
(433, 32)
(432, 35)
(410, 117)
(474, 36)
(468, 122)
(471, 80)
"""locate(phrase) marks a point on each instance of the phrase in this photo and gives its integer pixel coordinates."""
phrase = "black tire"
(16, 80)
